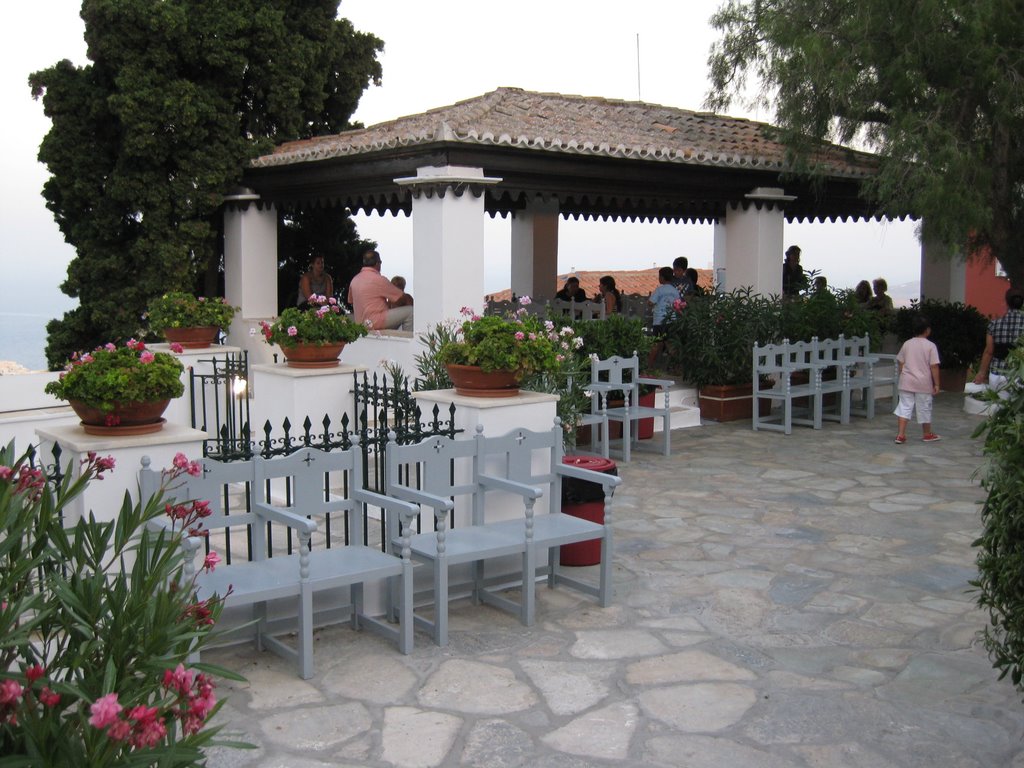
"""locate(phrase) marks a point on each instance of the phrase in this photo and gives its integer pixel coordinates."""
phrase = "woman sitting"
(609, 295)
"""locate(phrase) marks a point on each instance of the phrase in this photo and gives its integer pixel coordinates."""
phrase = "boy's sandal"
(931, 437)
(900, 439)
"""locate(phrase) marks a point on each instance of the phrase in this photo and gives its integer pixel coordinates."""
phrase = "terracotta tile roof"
(638, 281)
(584, 125)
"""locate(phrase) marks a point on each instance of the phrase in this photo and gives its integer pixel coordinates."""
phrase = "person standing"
(793, 278)
(684, 285)
(917, 367)
(1002, 334)
(375, 301)
(663, 299)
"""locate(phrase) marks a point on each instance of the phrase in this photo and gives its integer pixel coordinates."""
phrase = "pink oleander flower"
(566, 331)
(5, 473)
(195, 469)
(533, 337)
(525, 301)
(211, 562)
(10, 691)
(293, 331)
(332, 301)
(104, 711)
(33, 673)
(201, 299)
(109, 346)
(520, 335)
(180, 460)
(549, 325)
(177, 348)
(119, 730)
(48, 697)
(86, 358)
(560, 358)
(147, 357)
(466, 311)
(178, 680)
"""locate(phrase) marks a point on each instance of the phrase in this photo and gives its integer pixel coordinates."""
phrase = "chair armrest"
(579, 473)
(405, 493)
(503, 484)
(406, 510)
(601, 386)
(662, 383)
(284, 517)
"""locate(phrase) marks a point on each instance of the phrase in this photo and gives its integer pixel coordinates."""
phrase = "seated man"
(572, 290)
(375, 301)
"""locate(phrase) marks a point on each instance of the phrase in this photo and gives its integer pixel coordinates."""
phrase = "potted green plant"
(711, 339)
(490, 355)
(120, 390)
(313, 337)
(191, 321)
(958, 330)
(620, 336)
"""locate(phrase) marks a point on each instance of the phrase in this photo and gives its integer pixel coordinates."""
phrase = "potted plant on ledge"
(489, 356)
(120, 390)
(313, 337)
(194, 322)
(711, 339)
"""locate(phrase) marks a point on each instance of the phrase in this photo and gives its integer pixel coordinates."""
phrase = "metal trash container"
(584, 499)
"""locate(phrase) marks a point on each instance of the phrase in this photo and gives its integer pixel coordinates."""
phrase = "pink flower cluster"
(13, 694)
(140, 726)
(195, 697)
(25, 479)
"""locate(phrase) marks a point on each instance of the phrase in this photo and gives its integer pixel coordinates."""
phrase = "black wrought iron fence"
(220, 401)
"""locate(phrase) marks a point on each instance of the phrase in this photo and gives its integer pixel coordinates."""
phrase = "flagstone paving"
(780, 602)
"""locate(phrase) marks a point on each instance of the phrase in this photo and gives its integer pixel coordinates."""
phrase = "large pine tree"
(936, 87)
(145, 140)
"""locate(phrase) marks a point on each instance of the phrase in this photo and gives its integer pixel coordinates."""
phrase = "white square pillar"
(535, 249)
(943, 272)
(448, 241)
(250, 269)
(753, 243)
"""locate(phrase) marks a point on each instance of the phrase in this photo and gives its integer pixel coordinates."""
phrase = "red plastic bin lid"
(593, 463)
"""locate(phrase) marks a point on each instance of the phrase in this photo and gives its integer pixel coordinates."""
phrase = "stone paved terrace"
(780, 602)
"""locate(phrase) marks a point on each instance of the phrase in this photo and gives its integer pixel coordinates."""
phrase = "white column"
(250, 269)
(752, 243)
(720, 251)
(943, 271)
(535, 249)
(448, 241)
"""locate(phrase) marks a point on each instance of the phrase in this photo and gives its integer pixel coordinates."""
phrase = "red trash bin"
(584, 499)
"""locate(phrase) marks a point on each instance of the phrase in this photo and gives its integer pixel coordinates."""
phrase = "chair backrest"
(620, 373)
(523, 456)
(770, 358)
(578, 310)
(301, 482)
(438, 465)
(226, 486)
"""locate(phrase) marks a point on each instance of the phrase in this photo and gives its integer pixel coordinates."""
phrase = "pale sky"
(437, 53)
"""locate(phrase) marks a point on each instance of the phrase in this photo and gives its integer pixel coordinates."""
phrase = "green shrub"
(183, 310)
(96, 624)
(1000, 558)
(958, 330)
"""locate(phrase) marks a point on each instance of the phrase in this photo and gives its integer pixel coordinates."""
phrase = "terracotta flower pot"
(313, 355)
(471, 381)
(137, 418)
(729, 402)
(193, 337)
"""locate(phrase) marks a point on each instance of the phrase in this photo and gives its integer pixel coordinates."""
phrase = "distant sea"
(23, 339)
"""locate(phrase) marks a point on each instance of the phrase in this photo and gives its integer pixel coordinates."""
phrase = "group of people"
(871, 295)
(379, 303)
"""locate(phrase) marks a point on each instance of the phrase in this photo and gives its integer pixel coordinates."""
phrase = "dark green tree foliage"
(933, 86)
(1000, 558)
(145, 139)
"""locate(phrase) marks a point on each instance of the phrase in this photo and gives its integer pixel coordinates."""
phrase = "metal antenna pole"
(638, 67)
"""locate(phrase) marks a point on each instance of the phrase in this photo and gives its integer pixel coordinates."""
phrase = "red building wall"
(982, 287)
